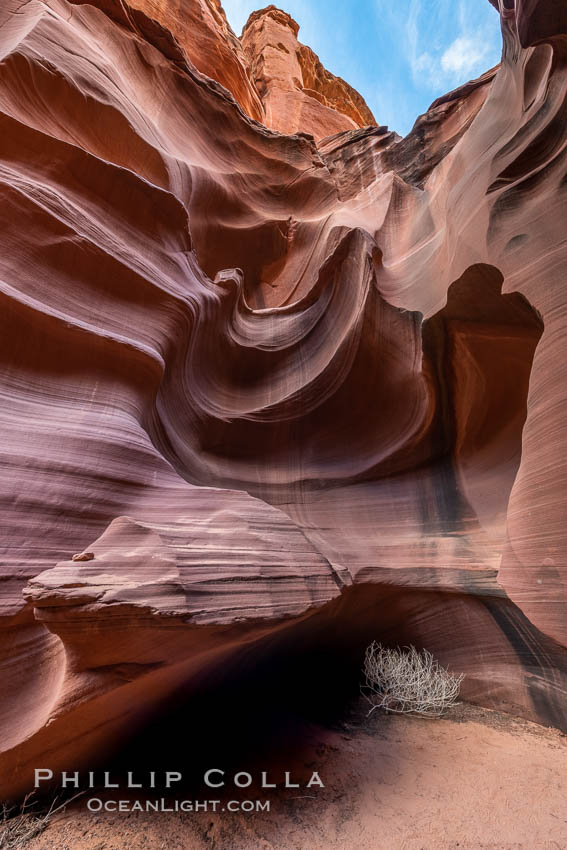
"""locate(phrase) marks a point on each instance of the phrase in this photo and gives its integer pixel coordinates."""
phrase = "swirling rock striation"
(288, 377)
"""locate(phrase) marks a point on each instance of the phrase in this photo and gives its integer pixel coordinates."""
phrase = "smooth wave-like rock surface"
(284, 376)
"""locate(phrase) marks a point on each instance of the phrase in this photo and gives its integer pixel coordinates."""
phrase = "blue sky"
(399, 54)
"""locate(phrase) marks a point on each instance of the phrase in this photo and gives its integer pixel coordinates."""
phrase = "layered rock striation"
(288, 377)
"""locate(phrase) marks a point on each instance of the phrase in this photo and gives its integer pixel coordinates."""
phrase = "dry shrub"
(19, 824)
(406, 681)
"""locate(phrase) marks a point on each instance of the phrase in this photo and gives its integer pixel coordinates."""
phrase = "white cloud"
(424, 64)
(465, 55)
(448, 42)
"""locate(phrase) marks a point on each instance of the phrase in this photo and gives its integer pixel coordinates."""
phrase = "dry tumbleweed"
(19, 824)
(408, 682)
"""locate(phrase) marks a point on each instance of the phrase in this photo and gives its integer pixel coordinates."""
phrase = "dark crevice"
(481, 404)
(263, 706)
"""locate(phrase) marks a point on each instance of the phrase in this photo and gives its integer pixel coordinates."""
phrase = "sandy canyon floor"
(475, 780)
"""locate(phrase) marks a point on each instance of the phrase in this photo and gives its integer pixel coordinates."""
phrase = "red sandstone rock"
(197, 30)
(290, 389)
(297, 93)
